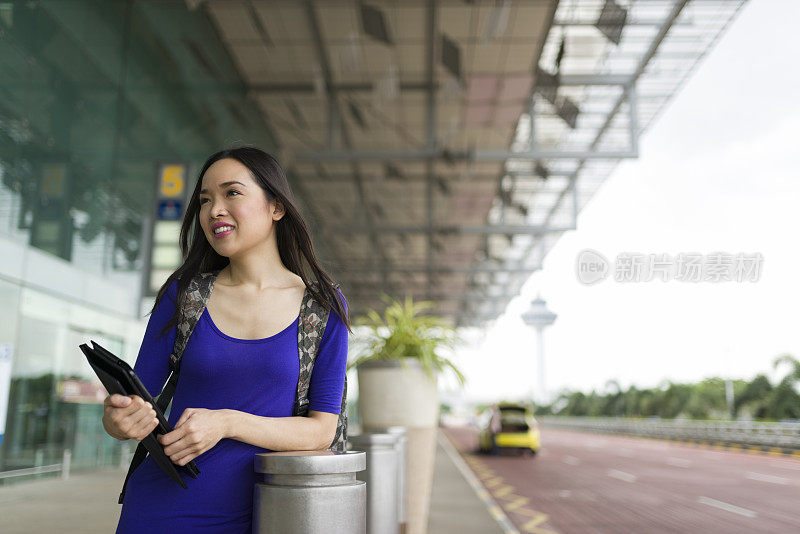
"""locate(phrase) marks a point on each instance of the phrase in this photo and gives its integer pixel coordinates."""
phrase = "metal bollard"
(124, 456)
(66, 460)
(381, 479)
(400, 446)
(310, 492)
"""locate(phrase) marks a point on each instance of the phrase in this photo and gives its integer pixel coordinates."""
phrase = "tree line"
(757, 399)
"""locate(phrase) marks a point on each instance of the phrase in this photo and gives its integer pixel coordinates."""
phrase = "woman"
(239, 372)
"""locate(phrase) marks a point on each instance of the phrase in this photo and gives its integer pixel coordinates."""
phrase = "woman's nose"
(217, 210)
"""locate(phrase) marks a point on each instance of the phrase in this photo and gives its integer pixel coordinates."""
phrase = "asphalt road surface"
(582, 482)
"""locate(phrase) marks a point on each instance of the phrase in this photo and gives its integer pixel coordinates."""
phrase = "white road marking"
(622, 475)
(571, 460)
(678, 462)
(766, 478)
(564, 493)
(787, 465)
(727, 507)
(624, 452)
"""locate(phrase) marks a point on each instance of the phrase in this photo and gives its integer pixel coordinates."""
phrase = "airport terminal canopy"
(439, 148)
(447, 145)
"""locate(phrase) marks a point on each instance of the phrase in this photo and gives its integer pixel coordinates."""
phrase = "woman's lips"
(223, 234)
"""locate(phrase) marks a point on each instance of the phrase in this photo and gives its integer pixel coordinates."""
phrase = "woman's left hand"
(197, 430)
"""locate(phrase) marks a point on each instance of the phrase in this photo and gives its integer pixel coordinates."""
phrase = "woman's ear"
(278, 211)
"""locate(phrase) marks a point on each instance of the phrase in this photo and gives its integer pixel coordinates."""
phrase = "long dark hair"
(294, 239)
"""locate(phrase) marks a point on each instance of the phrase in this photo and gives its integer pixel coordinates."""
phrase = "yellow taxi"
(509, 426)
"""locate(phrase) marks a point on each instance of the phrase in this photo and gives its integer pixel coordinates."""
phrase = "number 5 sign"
(172, 181)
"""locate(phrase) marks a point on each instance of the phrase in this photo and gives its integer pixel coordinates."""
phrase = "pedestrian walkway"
(55, 505)
(456, 507)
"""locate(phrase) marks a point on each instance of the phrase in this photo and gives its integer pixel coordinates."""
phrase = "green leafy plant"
(403, 333)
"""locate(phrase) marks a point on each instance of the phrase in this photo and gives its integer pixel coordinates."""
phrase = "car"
(509, 426)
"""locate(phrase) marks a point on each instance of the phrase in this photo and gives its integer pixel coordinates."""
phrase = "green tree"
(784, 401)
(755, 396)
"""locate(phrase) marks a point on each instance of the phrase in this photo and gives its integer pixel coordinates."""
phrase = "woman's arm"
(199, 429)
(282, 433)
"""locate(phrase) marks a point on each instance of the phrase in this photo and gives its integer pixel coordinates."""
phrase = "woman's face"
(230, 195)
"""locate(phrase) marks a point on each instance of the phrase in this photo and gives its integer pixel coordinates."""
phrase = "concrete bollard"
(310, 492)
(400, 447)
(381, 479)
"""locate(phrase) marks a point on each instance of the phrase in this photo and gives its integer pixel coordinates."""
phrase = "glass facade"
(95, 97)
(54, 400)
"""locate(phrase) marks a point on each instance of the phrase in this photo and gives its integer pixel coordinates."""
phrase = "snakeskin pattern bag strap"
(194, 303)
(313, 318)
(192, 306)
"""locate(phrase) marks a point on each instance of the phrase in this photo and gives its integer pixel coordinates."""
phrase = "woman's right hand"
(126, 417)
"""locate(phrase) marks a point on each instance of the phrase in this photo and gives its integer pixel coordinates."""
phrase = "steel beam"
(422, 295)
(416, 178)
(308, 87)
(633, 114)
(640, 22)
(478, 155)
(447, 229)
(443, 269)
(430, 78)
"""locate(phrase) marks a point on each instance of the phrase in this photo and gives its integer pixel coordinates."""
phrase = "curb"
(711, 444)
(494, 510)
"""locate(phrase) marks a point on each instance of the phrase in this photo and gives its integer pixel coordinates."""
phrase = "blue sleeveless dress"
(257, 376)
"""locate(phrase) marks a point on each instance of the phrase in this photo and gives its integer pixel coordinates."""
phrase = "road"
(582, 482)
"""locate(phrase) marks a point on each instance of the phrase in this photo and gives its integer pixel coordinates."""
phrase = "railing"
(63, 467)
(782, 435)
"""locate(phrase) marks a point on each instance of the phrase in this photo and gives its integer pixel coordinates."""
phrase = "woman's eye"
(202, 200)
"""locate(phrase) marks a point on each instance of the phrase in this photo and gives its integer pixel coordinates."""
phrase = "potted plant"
(398, 362)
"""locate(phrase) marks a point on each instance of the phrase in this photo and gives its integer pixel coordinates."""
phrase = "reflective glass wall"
(95, 96)
(54, 400)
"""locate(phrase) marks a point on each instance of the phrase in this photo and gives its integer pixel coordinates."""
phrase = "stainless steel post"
(310, 492)
(66, 460)
(381, 479)
(400, 446)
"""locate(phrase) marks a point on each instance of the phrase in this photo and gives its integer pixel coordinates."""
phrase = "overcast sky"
(718, 172)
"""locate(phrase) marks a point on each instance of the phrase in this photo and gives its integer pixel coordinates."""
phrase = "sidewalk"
(55, 505)
(455, 506)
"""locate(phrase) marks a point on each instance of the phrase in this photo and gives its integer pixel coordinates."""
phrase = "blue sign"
(170, 210)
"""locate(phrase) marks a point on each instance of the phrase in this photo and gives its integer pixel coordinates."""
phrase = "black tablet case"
(118, 377)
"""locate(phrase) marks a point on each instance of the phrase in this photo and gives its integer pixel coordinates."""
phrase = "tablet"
(118, 377)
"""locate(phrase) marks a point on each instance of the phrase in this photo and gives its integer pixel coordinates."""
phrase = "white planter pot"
(392, 395)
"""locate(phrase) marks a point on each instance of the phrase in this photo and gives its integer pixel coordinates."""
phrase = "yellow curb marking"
(492, 482)
(514, 503)
(518, 502)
